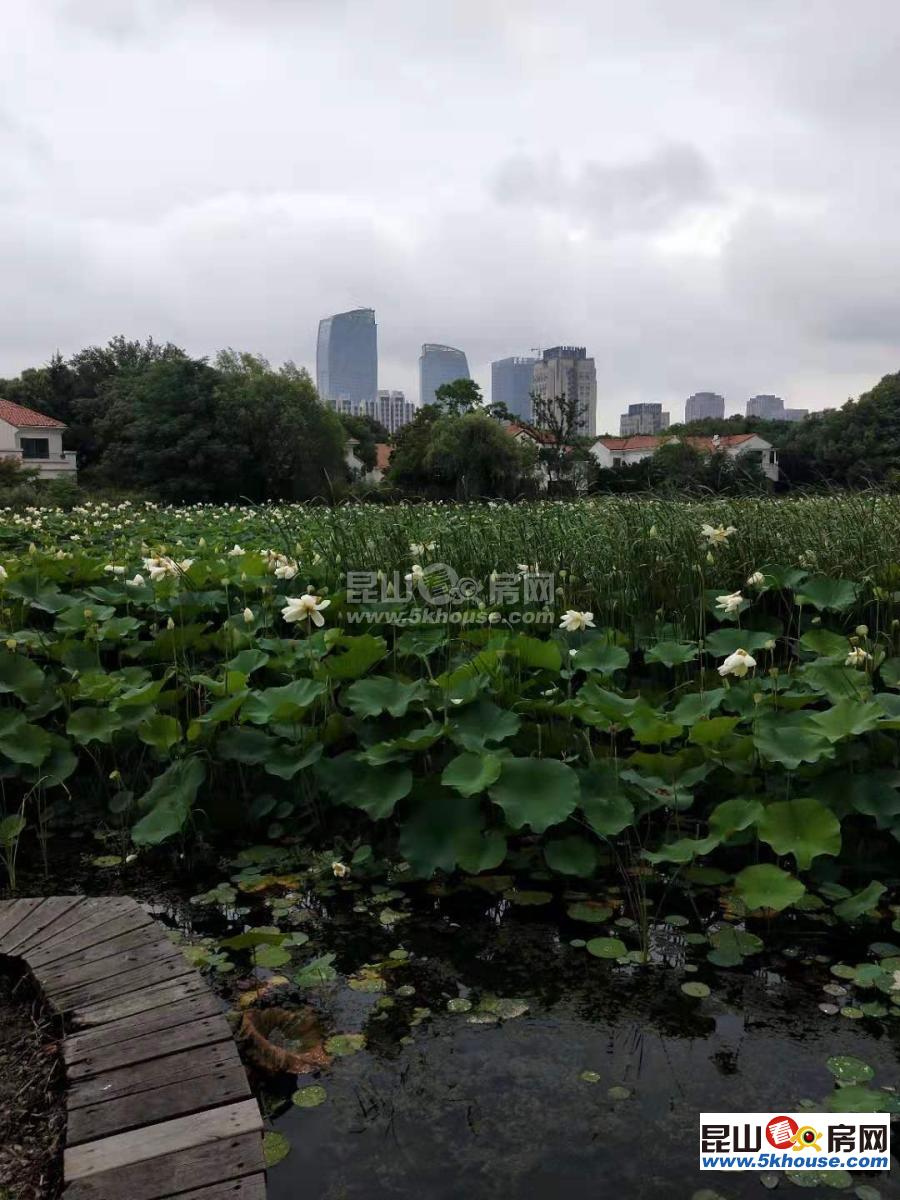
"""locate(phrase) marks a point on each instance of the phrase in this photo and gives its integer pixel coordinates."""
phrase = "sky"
(704, 194)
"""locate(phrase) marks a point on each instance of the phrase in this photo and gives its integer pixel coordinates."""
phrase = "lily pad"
(309, 1097)
(607, 947)
(459, 1004)
(344, 1044)
(590, 1076)
(591, 911)
(847, 1069)
(275, 1148)
(694, 987)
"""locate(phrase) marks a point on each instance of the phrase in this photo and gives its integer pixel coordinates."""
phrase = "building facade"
(566, 371)
(512, 380)
(703, 406)
(439, 365)
(767, 408)
(643, 419)
(622, 451)
(391, 408)
(347, 357)
(35, 440)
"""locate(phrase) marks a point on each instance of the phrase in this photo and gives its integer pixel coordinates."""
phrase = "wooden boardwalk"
(158, 1101)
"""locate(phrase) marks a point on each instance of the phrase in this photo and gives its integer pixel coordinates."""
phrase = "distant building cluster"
(643, 419)
(391, 408)
(771, 408)
(347, 380)
(649, 419)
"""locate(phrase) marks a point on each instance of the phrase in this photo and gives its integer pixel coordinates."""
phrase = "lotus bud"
(862, 630)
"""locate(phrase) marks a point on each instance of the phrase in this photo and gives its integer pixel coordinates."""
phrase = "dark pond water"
(448, 1108)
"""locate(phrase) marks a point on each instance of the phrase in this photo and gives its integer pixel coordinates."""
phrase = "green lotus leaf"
(571, 856)
(804, 828)
(471, 773)
(537, 792)
(767, 886)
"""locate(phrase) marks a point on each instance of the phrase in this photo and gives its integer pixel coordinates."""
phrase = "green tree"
(474, 456)
(459, 397)
(293, 447)
(163, 432)
(557, 428)
(409, 468)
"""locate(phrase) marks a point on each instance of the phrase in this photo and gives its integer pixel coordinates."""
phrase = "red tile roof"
(20, 416)
(647, 441)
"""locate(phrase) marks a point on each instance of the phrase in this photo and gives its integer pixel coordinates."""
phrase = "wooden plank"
(90, 1016)
(117, 944)
(174, 1173)
(60, 977)
(158, 1021)
(11, 914)
(112, 906)
(98, 929)
(165, 1138)
(161, 971)
(38, 920)
(250, 1187)
(189, 1064)
(160, 1104)
(153, 1045)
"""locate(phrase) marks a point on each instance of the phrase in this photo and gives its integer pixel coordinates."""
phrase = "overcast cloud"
(705, 194)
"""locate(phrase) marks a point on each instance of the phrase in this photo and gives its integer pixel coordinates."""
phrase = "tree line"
(147, 417)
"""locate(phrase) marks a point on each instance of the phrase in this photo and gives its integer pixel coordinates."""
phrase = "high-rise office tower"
(769, 408)
(566, 371)
(347, 357)
(512, 380)
(643, 418)
(439, 365)
(703, 405)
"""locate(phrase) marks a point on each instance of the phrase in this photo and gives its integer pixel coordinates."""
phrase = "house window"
(35, 447)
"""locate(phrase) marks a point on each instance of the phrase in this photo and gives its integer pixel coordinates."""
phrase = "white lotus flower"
(299, 608)
(138, 581)
(573, 621)
(857, 657)
(170, 624)
(737, 664)
(528, 568)
(757, 579)
(286, 570)
(418, 549)
(4, 574)
(340, 870)
(416, 575)
(729, 604)
(248, 616)
(717, 535)
(112, 569)
(236, 551)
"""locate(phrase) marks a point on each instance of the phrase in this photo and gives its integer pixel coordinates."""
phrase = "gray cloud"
(704, 196)
(641, 195)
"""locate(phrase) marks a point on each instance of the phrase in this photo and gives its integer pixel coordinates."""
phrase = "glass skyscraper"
(439, 365)
(347, 357)
(512, 381)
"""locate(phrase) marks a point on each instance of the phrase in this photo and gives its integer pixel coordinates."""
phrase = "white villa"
(622, 451)
(35, 440)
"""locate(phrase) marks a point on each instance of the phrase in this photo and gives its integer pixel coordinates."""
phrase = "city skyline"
(719, 237)
(513, 379)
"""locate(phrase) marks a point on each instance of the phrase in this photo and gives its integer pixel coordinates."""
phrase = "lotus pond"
(507, 1035)
(554, 886)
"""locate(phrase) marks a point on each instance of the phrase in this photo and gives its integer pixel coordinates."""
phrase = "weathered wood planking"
(158, 1102)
